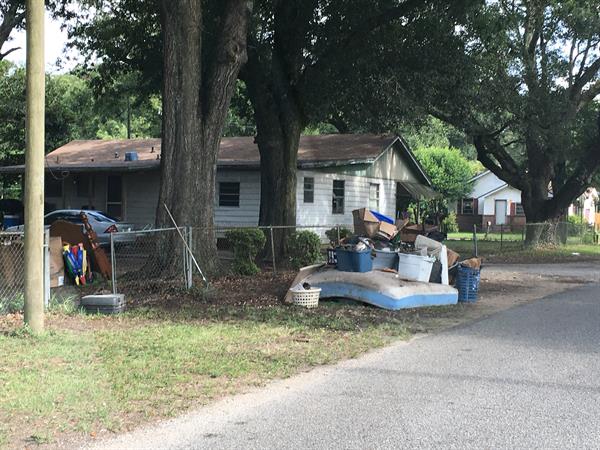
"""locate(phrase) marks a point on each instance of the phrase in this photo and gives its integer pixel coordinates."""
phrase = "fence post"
(475, 239)
(189, 259)
(113, 264)
(46, 268)
(337, 227)
(184, 256)
(272, 248)
(501, 235)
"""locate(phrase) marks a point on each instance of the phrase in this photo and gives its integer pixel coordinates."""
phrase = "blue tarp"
(382, 218)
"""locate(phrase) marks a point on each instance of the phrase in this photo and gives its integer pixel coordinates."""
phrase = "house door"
(500, 208)
(114, 196)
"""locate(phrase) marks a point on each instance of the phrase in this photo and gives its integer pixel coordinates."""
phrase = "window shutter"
(475, 206)
(513, 209)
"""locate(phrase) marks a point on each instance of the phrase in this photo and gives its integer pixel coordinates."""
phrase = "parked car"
(101, 223)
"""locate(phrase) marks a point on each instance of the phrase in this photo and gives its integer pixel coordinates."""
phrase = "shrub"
(247, 243)
(304, 248)
(332, 234)
(11, 305)
(449, 224)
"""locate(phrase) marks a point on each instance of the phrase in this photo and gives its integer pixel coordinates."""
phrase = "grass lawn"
(88, 374)
(495, 236)
(514, 252)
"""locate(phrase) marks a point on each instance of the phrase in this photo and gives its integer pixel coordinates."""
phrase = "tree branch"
(11, 18)
(581, 81)
(581, 178)
(357, 35)
(8, 52)
(507, 169)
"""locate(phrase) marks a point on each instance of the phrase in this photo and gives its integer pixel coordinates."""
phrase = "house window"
(337, 206)
(309, 190)
(85, 185)
(519, 209)
(229, 194)
(114, 196)
(53, 187)
(374, 196)
(467, 206)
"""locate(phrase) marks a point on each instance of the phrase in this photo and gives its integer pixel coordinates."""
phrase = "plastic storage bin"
(11, 221)
(352, 261)
(385, 260)
(467, 283)
(415, 267)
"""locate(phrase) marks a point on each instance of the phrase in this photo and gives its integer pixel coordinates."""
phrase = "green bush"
(449, 223)
(332, 234)
(11, 305)
(304, 248)
(247, 243)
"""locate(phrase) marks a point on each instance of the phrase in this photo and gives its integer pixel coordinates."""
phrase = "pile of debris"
(414, 252)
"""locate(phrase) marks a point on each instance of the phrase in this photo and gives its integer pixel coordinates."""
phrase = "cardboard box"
(365, 223)
(387, 230)
(57, 266)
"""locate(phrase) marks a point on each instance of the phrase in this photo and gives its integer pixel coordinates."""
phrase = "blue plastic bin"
(11, 221)
(467, 283)
(352, 261)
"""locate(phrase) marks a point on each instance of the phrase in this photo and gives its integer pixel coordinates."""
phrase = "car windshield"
(102, 217)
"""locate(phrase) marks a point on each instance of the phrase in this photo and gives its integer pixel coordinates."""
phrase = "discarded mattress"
(383, 289)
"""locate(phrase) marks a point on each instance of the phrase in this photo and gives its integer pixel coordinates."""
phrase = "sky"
(55, 47)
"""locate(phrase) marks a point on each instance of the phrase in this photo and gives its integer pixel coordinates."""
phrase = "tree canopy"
(526, 97)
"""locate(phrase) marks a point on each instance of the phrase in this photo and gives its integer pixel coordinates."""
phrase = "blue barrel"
(11, 221)
(131, 156)
(467, 283)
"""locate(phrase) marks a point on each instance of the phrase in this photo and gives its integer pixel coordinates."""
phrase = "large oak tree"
(527, 98)
(195, 49)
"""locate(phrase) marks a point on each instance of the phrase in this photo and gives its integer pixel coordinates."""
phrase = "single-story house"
(336, 174)
(587, 206)
(491, 200)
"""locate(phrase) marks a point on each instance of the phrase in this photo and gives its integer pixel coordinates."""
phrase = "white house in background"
(336, 174)
(491, 200)
(587, 206)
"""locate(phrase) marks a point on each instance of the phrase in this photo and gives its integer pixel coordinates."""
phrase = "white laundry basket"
(307, 298)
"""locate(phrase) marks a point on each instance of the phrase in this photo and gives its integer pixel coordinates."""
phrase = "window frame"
(338, 201)
(517, 206)
(113, 202)
(311, 190)
(377, 197)
(462, 206)
(224, 203)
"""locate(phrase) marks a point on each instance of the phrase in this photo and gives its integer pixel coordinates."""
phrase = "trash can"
(467, 283)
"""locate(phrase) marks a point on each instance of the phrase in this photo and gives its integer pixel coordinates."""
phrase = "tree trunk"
(195, 103)
(279, 124)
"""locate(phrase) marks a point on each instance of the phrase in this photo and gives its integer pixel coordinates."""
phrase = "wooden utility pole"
(34, 168)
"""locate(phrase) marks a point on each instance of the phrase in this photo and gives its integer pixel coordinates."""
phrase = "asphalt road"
(528, 377)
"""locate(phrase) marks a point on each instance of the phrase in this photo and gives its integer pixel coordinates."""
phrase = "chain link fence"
(12, 271)
(560, 233)
(139, 257)
(136, 257)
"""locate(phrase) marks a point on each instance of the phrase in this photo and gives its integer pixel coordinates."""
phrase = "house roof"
(238, 152)
(479, 175)
(495, 190)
